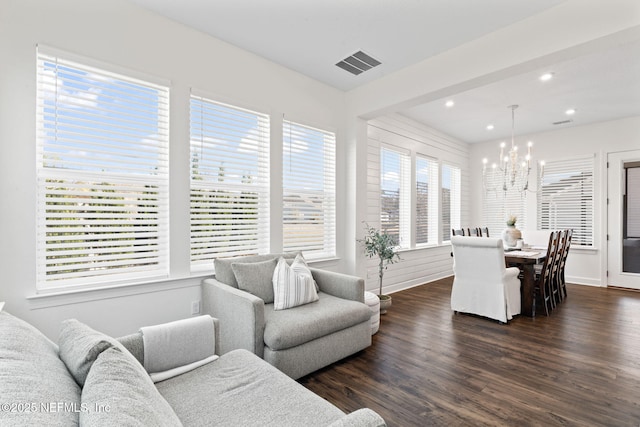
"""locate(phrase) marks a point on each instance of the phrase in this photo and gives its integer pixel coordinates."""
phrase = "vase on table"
(510, 236)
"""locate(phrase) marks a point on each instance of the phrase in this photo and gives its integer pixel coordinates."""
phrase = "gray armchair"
(297, 340)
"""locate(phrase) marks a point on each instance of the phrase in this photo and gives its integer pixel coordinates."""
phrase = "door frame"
(621, 158)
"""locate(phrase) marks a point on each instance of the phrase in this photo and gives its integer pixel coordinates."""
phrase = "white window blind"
(309, 191)
(499, 204)
(395, 195)
(229, 181)
(426, 200)
(102, 173)
(451, 181)
(565, 198)
(633, 202)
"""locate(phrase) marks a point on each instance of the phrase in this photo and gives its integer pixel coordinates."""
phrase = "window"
(309, 191)
(102, 170)
(499, 204)
(450, 200)
(229, 181)
(395, 195)
(426, 201)
(565, 198)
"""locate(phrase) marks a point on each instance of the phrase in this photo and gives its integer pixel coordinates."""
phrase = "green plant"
(380, 244)
(511, 221)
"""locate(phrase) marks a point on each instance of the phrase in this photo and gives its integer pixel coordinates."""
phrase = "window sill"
(76, 296)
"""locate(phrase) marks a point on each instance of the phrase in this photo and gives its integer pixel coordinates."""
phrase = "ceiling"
(311, 36)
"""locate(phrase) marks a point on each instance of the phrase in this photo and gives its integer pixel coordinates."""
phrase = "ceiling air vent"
(562, 122)
(358, 62)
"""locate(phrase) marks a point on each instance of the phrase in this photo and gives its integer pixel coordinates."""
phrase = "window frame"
(583, 235)
(313, 247)
(130, 190)
(201, 252)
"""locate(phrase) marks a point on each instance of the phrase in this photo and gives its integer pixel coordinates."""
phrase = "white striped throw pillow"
(293, 285)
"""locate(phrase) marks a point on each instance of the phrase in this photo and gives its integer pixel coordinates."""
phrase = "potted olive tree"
(380, 244)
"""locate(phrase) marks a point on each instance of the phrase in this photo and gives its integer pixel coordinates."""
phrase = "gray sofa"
(94, 380)
(298, 340)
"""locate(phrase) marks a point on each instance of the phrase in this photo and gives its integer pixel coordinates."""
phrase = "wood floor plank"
(429, 367)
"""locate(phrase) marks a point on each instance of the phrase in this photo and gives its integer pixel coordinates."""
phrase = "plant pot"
(385, 303)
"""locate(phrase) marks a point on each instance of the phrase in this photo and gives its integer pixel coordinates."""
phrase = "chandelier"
(513, 170)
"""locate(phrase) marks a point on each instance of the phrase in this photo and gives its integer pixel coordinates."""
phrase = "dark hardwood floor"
(430, 367)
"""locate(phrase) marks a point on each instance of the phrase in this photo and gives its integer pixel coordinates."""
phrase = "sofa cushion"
(289, 328)
(32, 372)
(293, 285)
(119, 385)
(256, 278)
(80, 346)
(240, 389)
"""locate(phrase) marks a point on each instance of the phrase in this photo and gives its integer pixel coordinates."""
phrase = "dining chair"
(484, 231)
(473, 232)
(562, 288)
(459, 232)
(482, 285)
(544, 280)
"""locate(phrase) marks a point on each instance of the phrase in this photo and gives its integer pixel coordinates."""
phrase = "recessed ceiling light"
(570, 112)
(489, 127)
(449, 104)
(546, 77)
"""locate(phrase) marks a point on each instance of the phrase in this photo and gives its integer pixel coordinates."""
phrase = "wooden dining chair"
(562, 288)
(544, 281)
(459, 232)
(484, 231)
(475, 232)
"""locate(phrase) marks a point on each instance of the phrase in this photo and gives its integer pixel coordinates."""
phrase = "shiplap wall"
(418, 265)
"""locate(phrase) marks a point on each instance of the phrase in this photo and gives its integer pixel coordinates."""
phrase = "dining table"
(525, 260)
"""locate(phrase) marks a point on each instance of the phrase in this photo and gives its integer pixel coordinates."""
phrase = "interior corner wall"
(583, 266)
(119, 33)
(418, 265)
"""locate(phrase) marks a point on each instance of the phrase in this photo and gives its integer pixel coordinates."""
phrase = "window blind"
(426, 200)
(395, 195)
(565, 198)
(451, 179)
(229, 210)
(309, 191)
(102, 176)
(499, 204)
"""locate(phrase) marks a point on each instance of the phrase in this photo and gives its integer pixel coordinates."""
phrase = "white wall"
(417, 265)
(583, 266)
(119, 33)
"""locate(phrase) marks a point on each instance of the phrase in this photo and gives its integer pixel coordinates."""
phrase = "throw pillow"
(80, 346)
(119, 392)
(293, 285)
(256, 278)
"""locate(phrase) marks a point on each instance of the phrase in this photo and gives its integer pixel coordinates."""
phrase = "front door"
(623, 223)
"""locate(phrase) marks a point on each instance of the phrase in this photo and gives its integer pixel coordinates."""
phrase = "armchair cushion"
(293, 285)
(224, 271)
(256, 278)
(289, 328)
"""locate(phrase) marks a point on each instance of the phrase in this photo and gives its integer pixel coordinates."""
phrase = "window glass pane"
(450, 200)
(395, 195)
(426, 201)
(102, 165)
(499, 204)
(565, 198)
(309, 191)
(229, 181)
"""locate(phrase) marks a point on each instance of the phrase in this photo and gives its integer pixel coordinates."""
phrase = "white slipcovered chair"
(482, 284)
